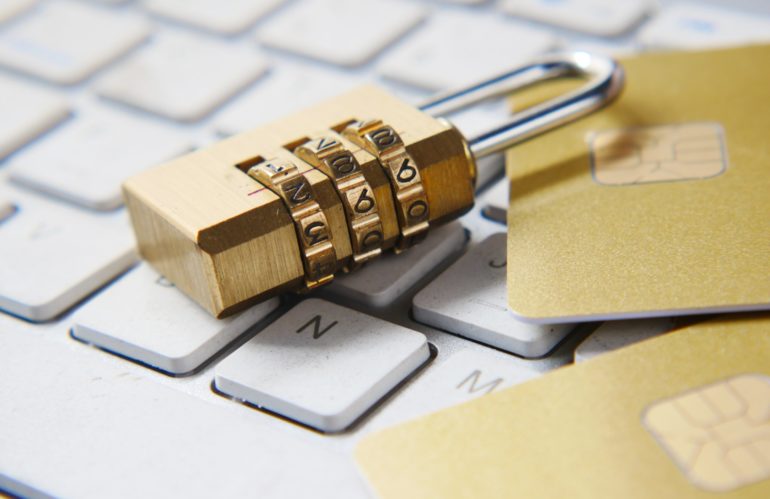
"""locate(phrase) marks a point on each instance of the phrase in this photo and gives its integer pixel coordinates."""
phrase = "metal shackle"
(605, 81)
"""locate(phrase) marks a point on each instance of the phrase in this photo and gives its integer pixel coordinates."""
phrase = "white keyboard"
(115, 384)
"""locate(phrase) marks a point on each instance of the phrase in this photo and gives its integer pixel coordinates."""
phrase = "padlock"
(287, 205)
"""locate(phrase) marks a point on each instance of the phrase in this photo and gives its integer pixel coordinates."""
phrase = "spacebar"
(75, 425)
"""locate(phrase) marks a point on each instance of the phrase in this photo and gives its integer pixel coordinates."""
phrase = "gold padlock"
(285, 206)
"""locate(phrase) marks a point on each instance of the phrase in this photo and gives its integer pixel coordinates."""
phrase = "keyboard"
(116, 384)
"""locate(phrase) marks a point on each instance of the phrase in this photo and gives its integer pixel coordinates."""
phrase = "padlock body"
(227, 241)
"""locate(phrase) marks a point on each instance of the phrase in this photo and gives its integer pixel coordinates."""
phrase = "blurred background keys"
(226, 18)
(473, 42)
(51, 45)
(694, 25)
(342, 32)
(93, 154)
(211, 71)
(28, 111)
(11, 8)
(283, 90)
(595, 17)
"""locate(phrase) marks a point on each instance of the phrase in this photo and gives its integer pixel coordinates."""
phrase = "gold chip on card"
(663, 153)
(718, 434)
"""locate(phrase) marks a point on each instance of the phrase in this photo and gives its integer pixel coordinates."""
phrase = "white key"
(465, 375)
(595, 17)
(382, 281)
(228, 17)
(495, 201)
(470, 299)
(182, 77)
(142, 316)
(454, 49)
(618, 334)
(52, 256)
(284, 90)
(321, 364)
(12, 8)
(86, 160)
(697, 26)
(344, 32)
(6, 209)
(66, 42)
(28, 111)
(78, 424)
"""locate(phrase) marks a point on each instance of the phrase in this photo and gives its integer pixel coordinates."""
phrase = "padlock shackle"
(605, 80)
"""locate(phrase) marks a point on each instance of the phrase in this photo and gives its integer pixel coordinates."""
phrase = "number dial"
(411, 201)
(319, 257)
(330, 156)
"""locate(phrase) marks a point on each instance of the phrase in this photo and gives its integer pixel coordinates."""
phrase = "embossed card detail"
(663, 153)
(718, 434)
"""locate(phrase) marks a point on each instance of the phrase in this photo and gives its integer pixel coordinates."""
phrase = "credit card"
(682, 415)
(657, 205)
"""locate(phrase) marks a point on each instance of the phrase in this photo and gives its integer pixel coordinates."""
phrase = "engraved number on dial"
(343, 163)
(384, 137)
(315, 231)
(298, 193)
(406, 172)
(364, 202)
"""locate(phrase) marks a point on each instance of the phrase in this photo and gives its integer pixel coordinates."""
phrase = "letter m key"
(473, 380)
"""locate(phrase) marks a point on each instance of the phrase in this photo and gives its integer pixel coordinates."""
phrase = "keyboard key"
(470, 299)
(697, 26)
(595, 17)
(284, 90)
(66, 42)
(227, 18)
(109, 429)
(86, 160)
(454, 49)
(465, 375)
(182, 77)
(12, 8)
(321, 364)
(52, 256)
(618, 334)
(142, 316)
(381, 282)
(343, 32)
(28, 111)
(495, 201)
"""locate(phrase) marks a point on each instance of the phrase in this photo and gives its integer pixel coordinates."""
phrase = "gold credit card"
(657, 205)
(683, 415)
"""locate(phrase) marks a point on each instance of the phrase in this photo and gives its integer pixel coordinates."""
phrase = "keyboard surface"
(116, 384)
